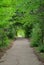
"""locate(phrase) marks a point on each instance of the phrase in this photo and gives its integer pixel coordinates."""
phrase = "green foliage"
(11, 32)
(41, 48)
(28, 29)
(3, 38)
(36, 35)
(24, 13)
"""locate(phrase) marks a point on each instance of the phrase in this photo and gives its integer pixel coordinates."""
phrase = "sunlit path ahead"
(20, 54)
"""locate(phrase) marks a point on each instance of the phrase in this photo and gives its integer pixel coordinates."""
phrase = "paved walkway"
(20, 54)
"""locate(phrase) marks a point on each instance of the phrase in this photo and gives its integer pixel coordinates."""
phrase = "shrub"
(3, 38)
(41, 48)
(11, 33)
(35, 35)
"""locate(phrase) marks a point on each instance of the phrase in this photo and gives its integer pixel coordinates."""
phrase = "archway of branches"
(22, 30)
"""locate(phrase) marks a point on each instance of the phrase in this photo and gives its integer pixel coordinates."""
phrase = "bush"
(11, 33)
(41, 48)
(3, 38)
(36, 35)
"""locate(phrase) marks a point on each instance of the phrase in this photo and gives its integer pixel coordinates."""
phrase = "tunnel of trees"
(26, 16)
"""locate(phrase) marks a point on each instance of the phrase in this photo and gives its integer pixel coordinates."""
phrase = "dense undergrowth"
(28, 14)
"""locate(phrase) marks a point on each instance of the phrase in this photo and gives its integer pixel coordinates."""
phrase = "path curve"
(20, 54)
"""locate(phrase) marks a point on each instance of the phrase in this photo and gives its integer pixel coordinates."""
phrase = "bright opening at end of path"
(20, 33)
